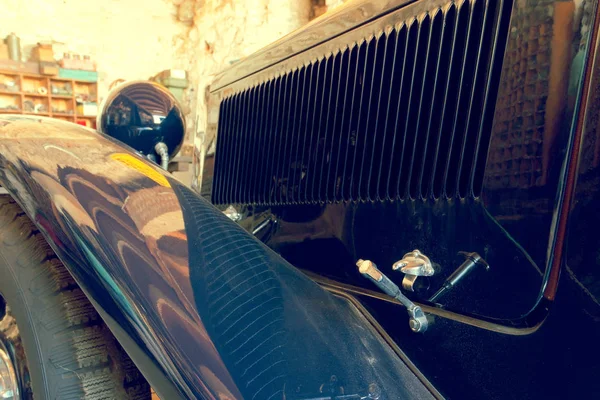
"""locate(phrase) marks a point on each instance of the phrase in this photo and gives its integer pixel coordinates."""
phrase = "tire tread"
(90, 362)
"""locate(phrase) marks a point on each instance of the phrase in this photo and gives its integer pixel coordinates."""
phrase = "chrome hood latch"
(418, 321)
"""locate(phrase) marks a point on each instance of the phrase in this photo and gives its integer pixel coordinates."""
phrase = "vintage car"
(400, 200)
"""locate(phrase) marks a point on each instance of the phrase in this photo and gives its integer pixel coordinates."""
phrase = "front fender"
(202, 307)
(115, 222)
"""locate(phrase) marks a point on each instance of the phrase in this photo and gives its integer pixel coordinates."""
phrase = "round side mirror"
(145, 116)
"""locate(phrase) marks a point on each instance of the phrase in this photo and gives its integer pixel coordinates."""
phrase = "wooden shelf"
(56, 78)
(32, 76)
(53, 96)
(33, 81)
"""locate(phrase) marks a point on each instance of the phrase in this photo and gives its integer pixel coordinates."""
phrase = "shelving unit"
(46, 96)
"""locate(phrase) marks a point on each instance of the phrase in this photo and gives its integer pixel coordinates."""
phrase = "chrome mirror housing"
(145, 116)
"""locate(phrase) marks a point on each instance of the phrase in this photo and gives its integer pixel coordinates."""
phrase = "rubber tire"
(70, 352)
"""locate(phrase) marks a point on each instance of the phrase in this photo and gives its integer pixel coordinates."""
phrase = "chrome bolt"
(232, 214)
(415, 325)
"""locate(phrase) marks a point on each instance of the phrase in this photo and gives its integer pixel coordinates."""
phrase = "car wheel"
(53, 344)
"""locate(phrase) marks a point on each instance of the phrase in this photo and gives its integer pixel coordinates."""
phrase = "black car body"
(443, 126)
(464, 129)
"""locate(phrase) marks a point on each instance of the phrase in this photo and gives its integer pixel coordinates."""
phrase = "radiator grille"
(404, 114)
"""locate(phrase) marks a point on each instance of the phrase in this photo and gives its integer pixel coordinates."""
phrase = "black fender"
(115, 222)
(203, 308)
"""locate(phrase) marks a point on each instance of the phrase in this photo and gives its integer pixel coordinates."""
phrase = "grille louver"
(404, 114)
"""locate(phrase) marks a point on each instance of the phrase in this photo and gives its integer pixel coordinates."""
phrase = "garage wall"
(129, 39)
(222, 32)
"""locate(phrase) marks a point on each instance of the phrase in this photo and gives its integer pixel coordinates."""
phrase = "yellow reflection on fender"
(141, 167)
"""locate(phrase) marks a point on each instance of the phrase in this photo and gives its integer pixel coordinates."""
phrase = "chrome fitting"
(418, 321)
